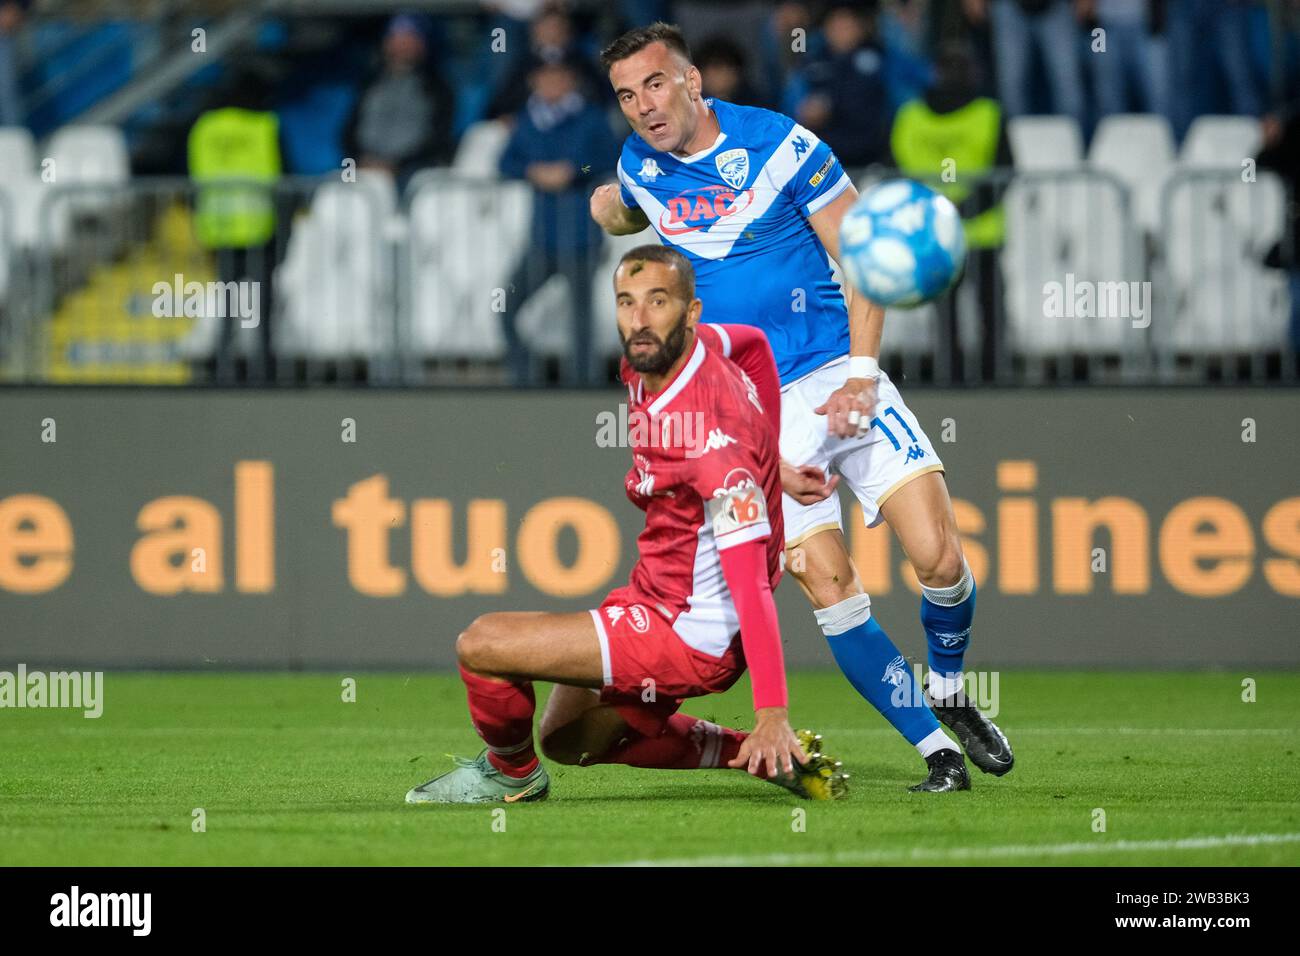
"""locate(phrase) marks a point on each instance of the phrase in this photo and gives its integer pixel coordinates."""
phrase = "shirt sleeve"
(745, 569)
(734, 504)
(749, 349)
(819, 179)
(624, 193)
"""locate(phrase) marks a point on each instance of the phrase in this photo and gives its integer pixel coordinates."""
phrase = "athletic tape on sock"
(844, 616)
(954, 594)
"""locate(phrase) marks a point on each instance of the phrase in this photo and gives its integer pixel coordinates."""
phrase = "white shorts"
(873, 465)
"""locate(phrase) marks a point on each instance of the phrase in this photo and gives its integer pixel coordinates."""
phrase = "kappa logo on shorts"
(639, 617)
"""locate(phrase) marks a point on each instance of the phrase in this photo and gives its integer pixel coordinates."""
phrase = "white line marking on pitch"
(964, 854)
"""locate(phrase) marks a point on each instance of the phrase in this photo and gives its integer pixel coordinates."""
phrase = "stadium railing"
(361, 285)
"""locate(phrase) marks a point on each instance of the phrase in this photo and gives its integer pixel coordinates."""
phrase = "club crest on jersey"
(650, 170)
(733, 167)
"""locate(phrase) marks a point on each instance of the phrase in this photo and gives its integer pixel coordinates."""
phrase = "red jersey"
(706, 471)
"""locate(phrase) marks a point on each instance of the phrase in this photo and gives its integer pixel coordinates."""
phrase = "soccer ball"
(902, 243)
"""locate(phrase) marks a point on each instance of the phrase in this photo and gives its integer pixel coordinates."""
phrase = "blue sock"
(946, 615)
(879, 672)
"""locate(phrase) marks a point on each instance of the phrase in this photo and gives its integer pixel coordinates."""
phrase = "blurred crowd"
(844, 69)
(868, 76)
(876, 79)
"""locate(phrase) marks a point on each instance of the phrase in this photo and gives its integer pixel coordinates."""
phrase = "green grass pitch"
(287, 773)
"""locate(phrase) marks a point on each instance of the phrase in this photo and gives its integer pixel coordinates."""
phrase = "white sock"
(941, 688)
(937, 740)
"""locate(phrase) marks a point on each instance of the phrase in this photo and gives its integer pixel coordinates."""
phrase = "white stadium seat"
(80, 156)
(479, 153)
(20, 186)
(1221, 142)
(17, 152)
(1138, 150)
(90, 154)
(1216, 231)
(1058, 228)
(335, 286)
(465, 239)
(1045, 142)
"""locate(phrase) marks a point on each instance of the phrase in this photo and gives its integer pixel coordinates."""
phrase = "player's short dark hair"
(667, 256)
(634, 41)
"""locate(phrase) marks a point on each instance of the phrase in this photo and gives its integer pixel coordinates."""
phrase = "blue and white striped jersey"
(738, 211)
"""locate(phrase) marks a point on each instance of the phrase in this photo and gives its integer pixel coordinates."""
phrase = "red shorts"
(649, 670)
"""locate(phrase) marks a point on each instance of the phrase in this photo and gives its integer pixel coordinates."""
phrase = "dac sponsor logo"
(700, 208)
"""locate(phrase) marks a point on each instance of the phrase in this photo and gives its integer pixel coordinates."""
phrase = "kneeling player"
(698, 607)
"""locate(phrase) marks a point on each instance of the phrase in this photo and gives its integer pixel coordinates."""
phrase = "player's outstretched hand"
(611, 215)
(604, 205)
(771, 745)
(849, 409)
(806, 484)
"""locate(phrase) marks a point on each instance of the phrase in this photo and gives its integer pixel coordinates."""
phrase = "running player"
(698, 606)
(755, 200)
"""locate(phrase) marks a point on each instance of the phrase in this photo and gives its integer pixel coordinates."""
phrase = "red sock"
(502, 713)
(686, 743)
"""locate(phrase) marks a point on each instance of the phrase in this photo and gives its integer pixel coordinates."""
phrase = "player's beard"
(661, 360)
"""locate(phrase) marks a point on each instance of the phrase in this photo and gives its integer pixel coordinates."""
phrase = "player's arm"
(748, 348)
(738, 516)
(849, 408)
(772, 743)
(612, 215)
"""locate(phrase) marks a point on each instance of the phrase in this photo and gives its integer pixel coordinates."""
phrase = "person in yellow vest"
(954, 138)
(234, 160)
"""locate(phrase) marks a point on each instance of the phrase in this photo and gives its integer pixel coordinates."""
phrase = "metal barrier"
(125, 288)
(448, 285)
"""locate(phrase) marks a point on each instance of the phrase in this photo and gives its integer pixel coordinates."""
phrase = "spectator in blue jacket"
(843, 95)
(563, 145)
